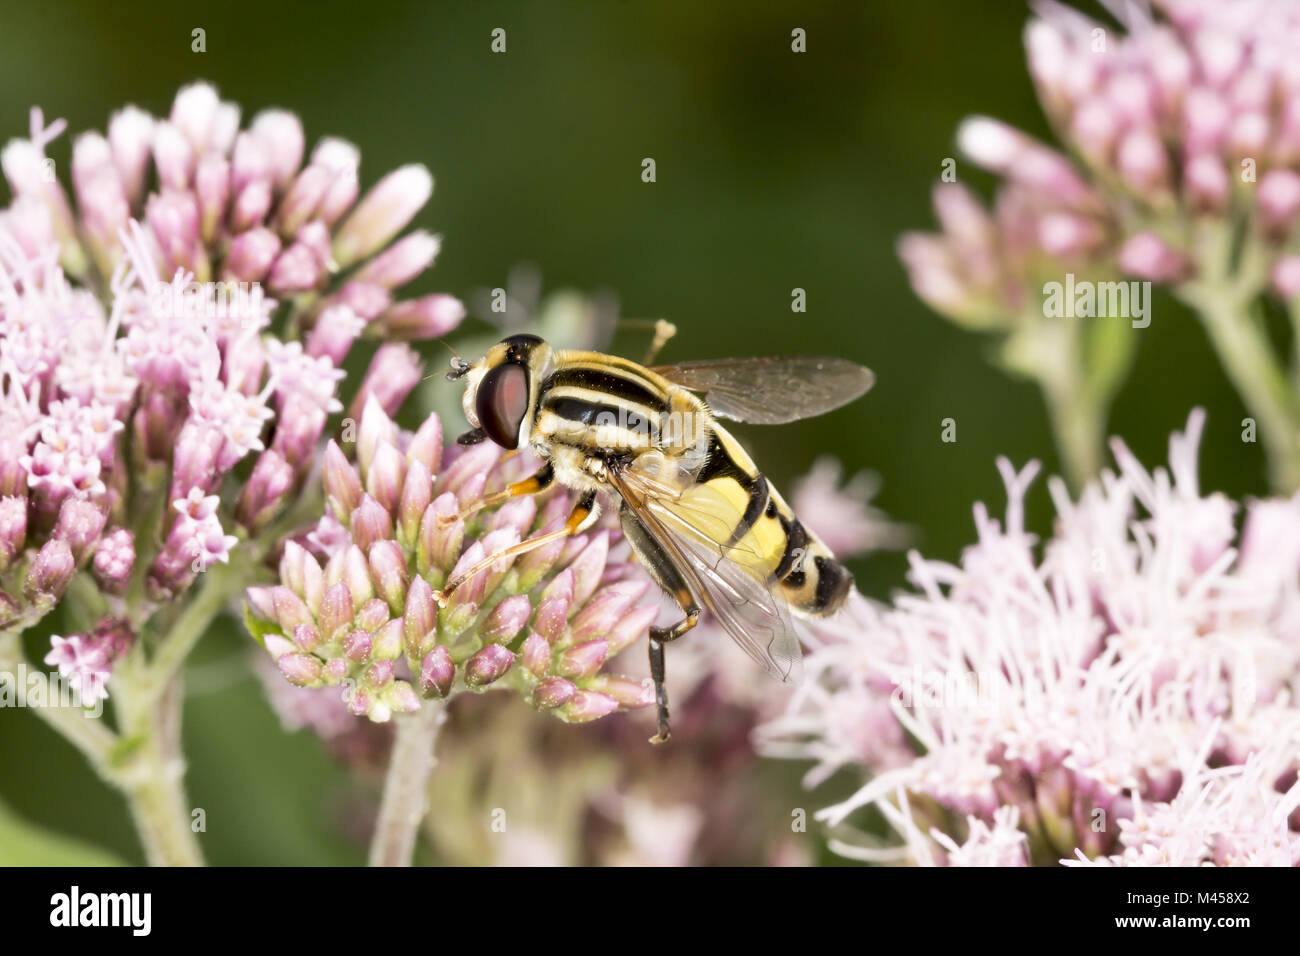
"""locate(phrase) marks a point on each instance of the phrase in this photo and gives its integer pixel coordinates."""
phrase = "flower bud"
(300, 669)
(487, 665)
(383, 213)
(536, 654)
(388, 571)
(437, 672)
(553, 692)
(342, 486)
(49, 573)
(587, 706)
(506, 620)
(582, 660)
(13, 529)
(419, 618)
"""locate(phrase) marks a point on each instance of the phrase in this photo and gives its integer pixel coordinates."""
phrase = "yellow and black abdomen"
(767, 536)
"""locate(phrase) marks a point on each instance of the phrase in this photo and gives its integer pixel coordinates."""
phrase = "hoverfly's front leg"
(581, 515)
(534, 484)
(666, 575)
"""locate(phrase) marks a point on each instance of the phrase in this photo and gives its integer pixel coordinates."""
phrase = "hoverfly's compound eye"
(502, 403)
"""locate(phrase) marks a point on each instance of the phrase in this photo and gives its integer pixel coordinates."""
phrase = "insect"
(696, 511)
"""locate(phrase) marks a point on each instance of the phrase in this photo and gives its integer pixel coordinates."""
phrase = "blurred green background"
(775, 170)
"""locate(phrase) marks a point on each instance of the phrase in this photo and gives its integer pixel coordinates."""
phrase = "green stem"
(1248, 358)
(1052, 354)
(1079, 426)
(405, 797)
(151, 773)
(222, 583)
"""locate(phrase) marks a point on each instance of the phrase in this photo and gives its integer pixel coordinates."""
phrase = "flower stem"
(221, 585)
(405, 788)
(1079, 427)
(153, 783)
(1248, 358)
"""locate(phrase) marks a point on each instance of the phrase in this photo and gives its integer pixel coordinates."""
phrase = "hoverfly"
(696, 511)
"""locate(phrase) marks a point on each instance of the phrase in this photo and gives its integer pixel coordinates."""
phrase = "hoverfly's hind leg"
(583, 513)
(666, 575)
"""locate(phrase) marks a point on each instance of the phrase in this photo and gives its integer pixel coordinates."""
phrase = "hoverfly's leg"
(534, 484)
(664, 330)
(582, 513)
(666, 575)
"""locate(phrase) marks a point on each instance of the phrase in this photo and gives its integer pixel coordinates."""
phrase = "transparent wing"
(689, 525)
(774, 390)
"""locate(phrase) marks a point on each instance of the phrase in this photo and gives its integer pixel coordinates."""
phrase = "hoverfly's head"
(501, 389)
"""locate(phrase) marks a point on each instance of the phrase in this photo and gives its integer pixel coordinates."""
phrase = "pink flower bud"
(553, 692)
(393, 372)
(1278, 199)
(383, 213)
(507, 619)
(536, 654)
(631, 627)
(437, 672)
(1206, 181)
(369, 523)
(629, 693)
(336, 611)
(588, 568)
(428, 317)
(587, 706)
(427, 445)
(417, 489)
(342, 485)
(1285, 276)
(130, 133)
(419, 618)
(402, 261)
(280, 135)
(487, 665)
(583, 660)
(386, 643)
(306, 637)
(373, 615)
(1147, 256)
(13, 529)
(388, 571)
(401, 698)
(356, 646)
(300, 669)
(384, 480)
(251, 255)
(49, 573)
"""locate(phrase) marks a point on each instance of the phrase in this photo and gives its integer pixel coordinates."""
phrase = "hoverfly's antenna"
(663, 331)
(458, 365)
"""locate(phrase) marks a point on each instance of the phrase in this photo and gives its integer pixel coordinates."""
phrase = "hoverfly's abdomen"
(816, 583)
(768, 537)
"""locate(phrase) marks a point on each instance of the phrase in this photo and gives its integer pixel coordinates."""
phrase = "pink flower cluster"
(86, 660)
(1130, 693)
(1183, 120)
(142, 359)
(360, 614)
